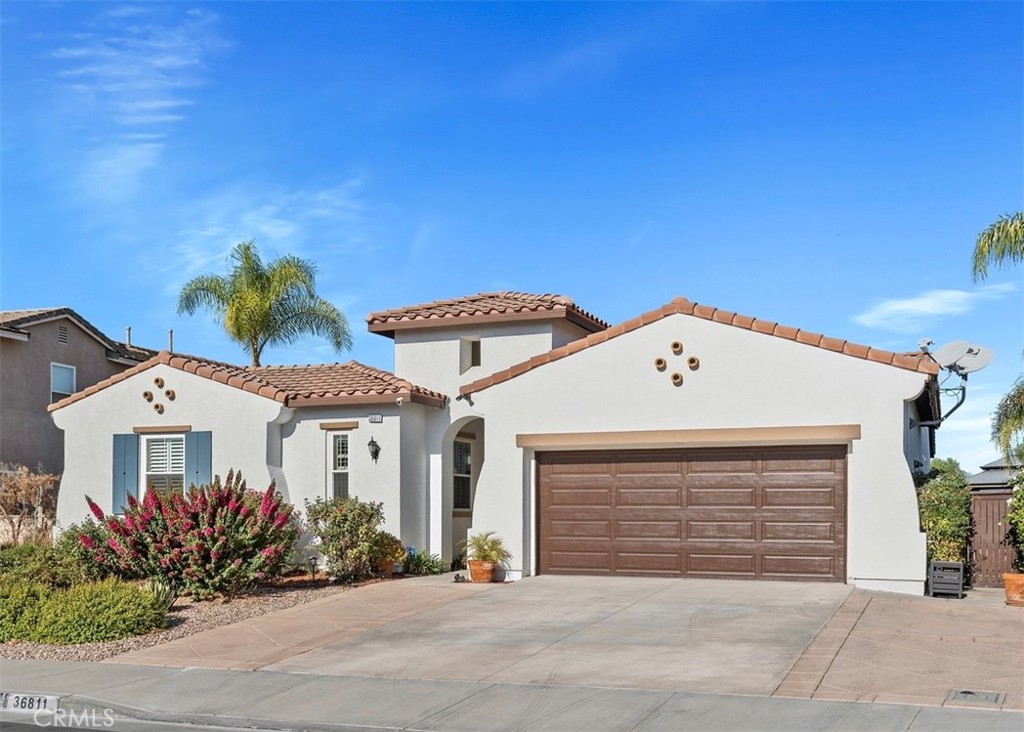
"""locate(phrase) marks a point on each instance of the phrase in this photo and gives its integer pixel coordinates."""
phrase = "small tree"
(28, 504)
(945, 504)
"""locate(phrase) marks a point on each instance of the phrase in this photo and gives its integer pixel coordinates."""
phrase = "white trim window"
(338, 466)
(164, 461)
(62, 381)
(462, 475)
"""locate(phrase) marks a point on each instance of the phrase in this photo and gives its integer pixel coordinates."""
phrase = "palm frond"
(1008, 421)
(211, 292)
(1000, 244)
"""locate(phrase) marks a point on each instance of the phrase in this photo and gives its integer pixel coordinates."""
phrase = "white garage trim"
(724, 437)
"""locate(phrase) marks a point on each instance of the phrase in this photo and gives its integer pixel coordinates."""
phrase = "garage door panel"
(721, 496)
(655, 562)
(811, 497)
(823, 531)
(719, 530)
(583, 497)
(581, 529)
(781, 566)
(716, 565)
(651, 529)
(776, 513)
(638, 496)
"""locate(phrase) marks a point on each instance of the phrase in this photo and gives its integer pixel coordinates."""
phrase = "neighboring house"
(46, 355)
(688, 441)
(992, 553)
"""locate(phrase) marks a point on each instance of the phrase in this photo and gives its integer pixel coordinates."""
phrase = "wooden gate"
(991, 553)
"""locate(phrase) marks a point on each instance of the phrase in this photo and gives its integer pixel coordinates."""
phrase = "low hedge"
(85, 613)
(44, 565)
(20, 603)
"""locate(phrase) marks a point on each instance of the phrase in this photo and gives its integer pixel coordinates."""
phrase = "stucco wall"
(237, 419)
(27, 434)
(745, 379)
(430, 357)
(306, 449)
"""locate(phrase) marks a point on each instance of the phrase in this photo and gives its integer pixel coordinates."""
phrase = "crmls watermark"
(85, 719)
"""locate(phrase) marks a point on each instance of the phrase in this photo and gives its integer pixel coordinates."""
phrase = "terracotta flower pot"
(1013, 585)
(480, 571)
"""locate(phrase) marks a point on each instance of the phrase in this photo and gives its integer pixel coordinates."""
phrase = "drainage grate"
(978, 697)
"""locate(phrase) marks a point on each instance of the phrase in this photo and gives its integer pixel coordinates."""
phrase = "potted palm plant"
(486, 552)
(1013, 582)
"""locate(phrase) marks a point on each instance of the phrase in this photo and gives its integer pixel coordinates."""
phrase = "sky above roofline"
(823, 165)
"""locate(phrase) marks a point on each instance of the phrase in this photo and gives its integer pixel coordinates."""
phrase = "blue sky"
(825, 165)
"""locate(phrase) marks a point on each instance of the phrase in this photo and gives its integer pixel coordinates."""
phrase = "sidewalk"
(281, 701)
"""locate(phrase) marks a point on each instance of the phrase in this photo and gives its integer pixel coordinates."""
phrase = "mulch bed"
(187, 618)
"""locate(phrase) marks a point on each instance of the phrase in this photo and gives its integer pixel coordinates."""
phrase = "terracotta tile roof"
(17, 320)
(910, 361)
(485, 307)
(295, 386)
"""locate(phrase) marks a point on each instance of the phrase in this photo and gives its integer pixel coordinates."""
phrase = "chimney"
(128, 335)
(170, 340)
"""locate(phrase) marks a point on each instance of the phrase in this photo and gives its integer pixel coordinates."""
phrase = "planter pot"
(481, 571)
(1013, 585)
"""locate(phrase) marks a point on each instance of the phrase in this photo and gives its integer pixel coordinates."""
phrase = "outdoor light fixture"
(374, 449)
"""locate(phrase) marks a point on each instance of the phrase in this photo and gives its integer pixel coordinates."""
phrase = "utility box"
(946, 578)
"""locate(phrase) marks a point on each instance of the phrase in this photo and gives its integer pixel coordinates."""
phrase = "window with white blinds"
(165, 462)
(339, 466)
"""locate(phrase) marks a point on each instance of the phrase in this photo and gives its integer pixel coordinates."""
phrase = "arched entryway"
(462, 457)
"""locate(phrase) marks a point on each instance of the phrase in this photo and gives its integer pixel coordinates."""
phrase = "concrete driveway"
(641, 633)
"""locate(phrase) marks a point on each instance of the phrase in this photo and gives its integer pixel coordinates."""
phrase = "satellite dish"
(948, 354)
(976, 358)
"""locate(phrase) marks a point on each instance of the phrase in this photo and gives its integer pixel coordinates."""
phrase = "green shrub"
(1015, 520)
(98, 611)
(422, 563)
(42, 564)
(20, 604)
(945, 504)
(69, 545)
(349, 538)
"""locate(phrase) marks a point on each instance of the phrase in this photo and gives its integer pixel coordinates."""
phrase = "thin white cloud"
(587, 61)
(322, 224)
(911, 314)
(129, 82)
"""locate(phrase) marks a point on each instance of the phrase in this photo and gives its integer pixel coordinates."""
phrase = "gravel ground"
(185, 618)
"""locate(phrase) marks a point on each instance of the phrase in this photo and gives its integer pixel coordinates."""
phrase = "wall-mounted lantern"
(374, 449)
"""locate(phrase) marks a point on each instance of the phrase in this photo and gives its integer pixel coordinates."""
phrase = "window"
(165, 463)
(339, 466)
(463, 479)
(62, 381)
(469, 354)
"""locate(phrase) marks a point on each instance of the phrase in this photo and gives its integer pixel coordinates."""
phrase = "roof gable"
(913, 362)
(485, 307)
(16, 321)
(293, 386)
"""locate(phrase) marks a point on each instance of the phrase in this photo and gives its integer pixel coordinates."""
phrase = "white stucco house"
(688, 441)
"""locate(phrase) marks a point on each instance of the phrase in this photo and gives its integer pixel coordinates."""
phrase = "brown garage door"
(771, 513)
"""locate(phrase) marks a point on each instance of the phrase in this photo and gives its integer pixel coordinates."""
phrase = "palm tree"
(1003, 243)
(999, 244)
(266, 305)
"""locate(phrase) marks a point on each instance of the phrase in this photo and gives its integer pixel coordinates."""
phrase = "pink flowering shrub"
(219, 539)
